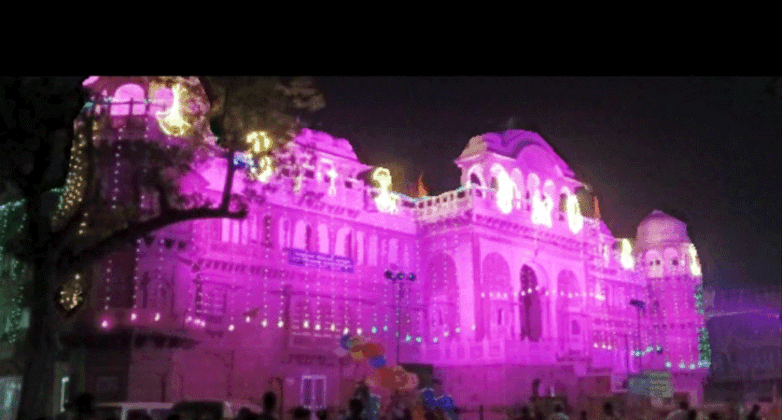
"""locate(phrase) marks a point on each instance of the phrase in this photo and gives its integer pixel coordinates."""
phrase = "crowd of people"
(83, 408)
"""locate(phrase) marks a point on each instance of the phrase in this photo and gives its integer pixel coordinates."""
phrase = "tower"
(669, 264)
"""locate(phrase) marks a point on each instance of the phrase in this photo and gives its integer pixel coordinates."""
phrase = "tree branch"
(87, 256)
(162, 200)
(229, 180)
(64, 236)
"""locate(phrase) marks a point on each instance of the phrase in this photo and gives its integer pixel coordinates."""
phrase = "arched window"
(323, 239)
(531, 322)
(475, 180)
(309, 238)
(496, 289)
(343, 246)
(304, 237)
(372, 250)
(359, 247)
(443, 293)
(124, 96)
(285, 234)
(568, 299)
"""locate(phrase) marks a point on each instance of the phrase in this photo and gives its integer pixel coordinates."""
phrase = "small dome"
(658, 228)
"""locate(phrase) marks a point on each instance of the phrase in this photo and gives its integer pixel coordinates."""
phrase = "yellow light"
(172, 121)
(574, 218)
(505, 189)
(332, 173)
(627, 254)
(695, 264)
(385, 201)
(542, 204)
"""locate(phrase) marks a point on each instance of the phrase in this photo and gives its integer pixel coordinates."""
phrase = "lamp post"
(639, 306)
(397, 277)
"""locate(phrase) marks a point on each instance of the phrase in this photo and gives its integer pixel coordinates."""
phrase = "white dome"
(658, 228)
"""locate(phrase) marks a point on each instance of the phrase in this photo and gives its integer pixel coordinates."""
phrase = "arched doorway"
(529, 298)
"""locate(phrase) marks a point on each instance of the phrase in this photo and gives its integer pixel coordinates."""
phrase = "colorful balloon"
(344, 342)
(412, 382)
(386, 376)
(376, 362)
(355, 341)
(357, 355)
(373, 350)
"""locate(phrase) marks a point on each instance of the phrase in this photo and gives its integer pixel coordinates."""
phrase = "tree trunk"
(41, 345)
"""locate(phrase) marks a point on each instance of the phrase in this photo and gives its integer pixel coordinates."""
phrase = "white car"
(126, 410)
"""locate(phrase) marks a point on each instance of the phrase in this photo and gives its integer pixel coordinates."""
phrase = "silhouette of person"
(268, 403)
(322, 415)
(301, 413)
(755, 413)
(608, 410)
(84, 407)
(583, 415)
(558, 414)
(355, 407)
(681, 413)
(525, 415)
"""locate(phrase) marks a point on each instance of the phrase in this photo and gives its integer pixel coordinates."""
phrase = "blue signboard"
(320, 261)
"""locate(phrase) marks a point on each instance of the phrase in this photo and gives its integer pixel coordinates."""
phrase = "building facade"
(507, 291)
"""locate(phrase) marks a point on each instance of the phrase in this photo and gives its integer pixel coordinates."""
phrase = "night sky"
(705, 150)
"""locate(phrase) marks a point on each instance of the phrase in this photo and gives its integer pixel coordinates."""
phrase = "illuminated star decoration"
(385, 201)
(626, 257)
(574, 218)
(260, 148)
(172, 121)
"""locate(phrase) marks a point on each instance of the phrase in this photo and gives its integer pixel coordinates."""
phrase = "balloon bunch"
(360, 350)
(444, 402)
(391, 378)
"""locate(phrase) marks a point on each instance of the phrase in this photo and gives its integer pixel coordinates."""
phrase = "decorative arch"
(653, 261)
(304, 237)
(568, 298)
(122, 98)
(323, 239)
(344, 244)
(359, 247)
(475, 175)
(498, 309)
(442, 289)
(672, 258)
(531, 308)
(284, 233)
(372, 251)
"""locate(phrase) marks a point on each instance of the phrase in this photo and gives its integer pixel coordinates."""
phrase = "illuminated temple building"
(515, 292)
